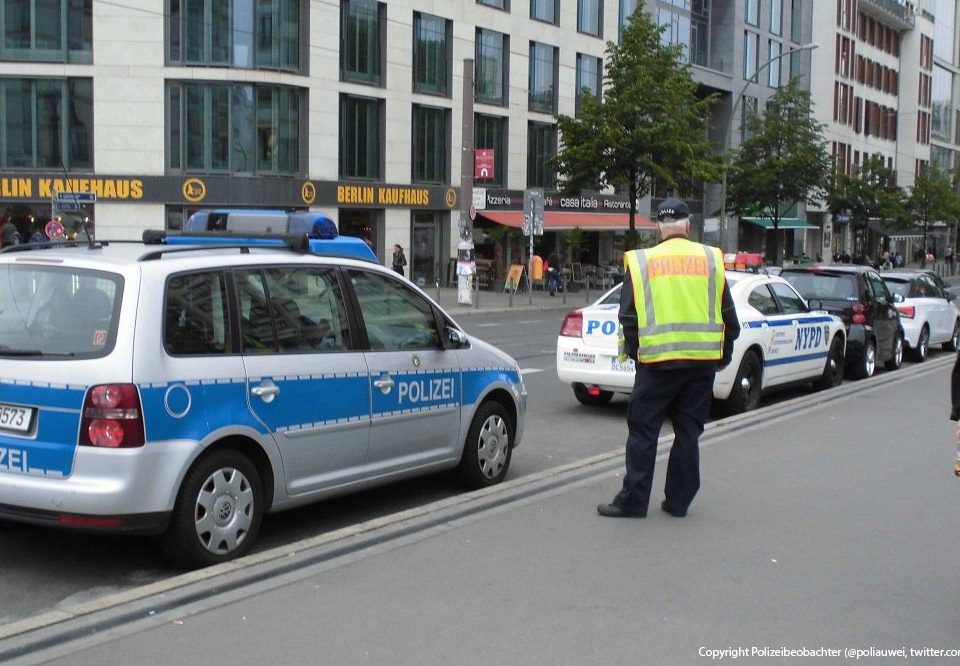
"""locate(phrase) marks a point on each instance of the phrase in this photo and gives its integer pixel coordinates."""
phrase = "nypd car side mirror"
(456, 339)
(815, 304)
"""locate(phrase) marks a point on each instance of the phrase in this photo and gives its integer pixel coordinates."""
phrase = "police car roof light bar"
(347, 247)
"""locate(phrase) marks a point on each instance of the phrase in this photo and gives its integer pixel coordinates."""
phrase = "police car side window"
(790, 302)
(195, 315)
(256, 325)
(307, 308)
(395, 316)
(761, 299)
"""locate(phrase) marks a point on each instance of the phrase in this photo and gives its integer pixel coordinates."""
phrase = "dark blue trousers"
(683, 395)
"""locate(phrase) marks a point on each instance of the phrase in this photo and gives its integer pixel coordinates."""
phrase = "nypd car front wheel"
(488, 449)
(218, 511)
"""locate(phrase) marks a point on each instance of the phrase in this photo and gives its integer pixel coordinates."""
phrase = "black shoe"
(613, 511)
(673, 512)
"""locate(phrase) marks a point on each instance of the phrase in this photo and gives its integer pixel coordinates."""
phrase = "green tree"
(784, 161)
(933, 198)
(649, 127)
(871, 193)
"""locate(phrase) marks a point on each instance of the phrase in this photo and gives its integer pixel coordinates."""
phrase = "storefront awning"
(554, 220)
(785, 223)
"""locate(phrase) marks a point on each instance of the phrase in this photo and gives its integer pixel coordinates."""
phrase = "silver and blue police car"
(782, 341)
(187, 386)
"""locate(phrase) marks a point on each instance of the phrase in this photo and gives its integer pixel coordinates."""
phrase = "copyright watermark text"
(854, 653)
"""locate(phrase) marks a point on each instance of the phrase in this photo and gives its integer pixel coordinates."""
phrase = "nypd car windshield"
(57, 312)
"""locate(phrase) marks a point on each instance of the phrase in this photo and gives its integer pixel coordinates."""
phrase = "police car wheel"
(488, 449)
(923, 343)
(833, 369)
(748, 385)
(896, 356)
(581, 393)
(953, 344)
(218, 511)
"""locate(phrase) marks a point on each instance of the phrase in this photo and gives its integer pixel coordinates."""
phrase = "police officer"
(679, 324)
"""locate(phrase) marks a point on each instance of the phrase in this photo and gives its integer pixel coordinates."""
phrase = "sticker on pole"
(53, 229)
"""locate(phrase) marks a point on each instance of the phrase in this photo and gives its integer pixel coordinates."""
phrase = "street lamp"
(728, 240)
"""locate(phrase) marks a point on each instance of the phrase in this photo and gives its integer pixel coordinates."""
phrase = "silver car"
(189, 390)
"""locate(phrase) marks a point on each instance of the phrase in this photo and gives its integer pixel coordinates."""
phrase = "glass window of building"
(590, 17)
(942, 105)
(47, 30)
(499, 4)
(796, 20)
(46, 123)
(773, 69)
(541, 148)
(431, 144)
(627, 7)
(492, 53)
(751, 11)
(361, 131)
(676, 29)
(234, 128)
(748, 109)
(944, 30)
(235, 33)
(776, 17)
(491, 132)
(545, 10)
(751, 52)
(588, 77)
(361, 50)
(543, 77)
(432, 55)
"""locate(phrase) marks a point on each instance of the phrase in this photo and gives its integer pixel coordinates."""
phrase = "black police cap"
(675, 209)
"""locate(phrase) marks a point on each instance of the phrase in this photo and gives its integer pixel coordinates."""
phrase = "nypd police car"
(186, 386)
(782, 341)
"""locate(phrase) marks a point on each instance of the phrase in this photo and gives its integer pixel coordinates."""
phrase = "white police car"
(782, 341)
(187, 386)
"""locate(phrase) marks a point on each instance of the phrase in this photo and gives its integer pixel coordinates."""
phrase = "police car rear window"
(56, 312)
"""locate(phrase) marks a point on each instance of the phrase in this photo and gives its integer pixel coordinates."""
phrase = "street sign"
(483, 163)
(533, 202)
(480, 198)
(66, 207)
(76, 197)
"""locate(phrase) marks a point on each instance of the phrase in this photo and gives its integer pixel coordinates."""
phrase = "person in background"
(679, 323)
(553, 273)
(9, 234)
(399, 261)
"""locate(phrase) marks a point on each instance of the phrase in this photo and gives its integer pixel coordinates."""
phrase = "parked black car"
(858, 295)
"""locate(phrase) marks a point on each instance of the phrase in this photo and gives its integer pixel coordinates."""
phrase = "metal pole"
(465, 282)
(728, 240)
(529, 269)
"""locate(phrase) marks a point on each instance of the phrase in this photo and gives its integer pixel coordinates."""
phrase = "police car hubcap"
(492, 452)
(224, 510)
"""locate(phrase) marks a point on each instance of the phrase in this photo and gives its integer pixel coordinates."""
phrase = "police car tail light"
(908, 311)
(858, 316)
(112, 417)
(572, 325)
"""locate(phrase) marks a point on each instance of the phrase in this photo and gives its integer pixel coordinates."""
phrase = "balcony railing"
(896, 13)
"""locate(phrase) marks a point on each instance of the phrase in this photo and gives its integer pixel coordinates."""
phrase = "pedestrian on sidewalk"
(553, 273)
(399, 261)
(679, 323)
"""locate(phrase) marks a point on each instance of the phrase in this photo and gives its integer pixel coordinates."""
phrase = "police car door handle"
(267, 390)
(384, 383)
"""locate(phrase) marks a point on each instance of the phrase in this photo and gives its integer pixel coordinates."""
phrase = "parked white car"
(928, 314)
(782, 342)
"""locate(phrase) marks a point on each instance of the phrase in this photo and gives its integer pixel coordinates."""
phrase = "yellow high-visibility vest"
(677, 291)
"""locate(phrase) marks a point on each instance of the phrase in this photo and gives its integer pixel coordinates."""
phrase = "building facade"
(354, 108)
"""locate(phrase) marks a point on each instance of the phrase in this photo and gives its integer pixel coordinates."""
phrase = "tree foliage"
(933, 198)
(649, 127)
(871, 193)
(783, 162)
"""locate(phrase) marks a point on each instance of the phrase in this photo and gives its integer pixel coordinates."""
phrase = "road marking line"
(487, 325)
(530, 371)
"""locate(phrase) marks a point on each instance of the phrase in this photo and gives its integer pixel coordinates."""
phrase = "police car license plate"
(622, 366)
(15, 418)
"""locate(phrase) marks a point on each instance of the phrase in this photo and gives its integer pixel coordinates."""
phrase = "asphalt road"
(43, 570)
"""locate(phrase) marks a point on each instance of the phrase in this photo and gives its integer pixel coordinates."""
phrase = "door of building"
(425, 249)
